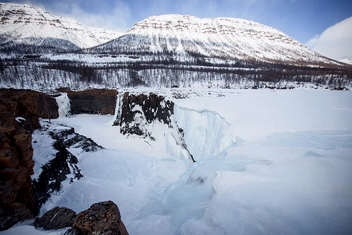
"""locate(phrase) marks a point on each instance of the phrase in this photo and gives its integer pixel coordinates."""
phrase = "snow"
(272, 162)
(346, 61)
(27, 229)
(43, 151)
(232, 38)
(210, 131)
(23, 21)
(63, 103)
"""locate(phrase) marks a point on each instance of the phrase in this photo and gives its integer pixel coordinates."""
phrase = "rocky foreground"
(20, 195)
(100, 218)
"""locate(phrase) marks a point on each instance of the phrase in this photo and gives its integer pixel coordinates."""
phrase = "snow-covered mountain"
(346, 61)
(21, 23)
(224, 38)
(160, 51)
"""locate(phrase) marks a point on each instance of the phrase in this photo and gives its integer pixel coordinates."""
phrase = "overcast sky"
(316, 23)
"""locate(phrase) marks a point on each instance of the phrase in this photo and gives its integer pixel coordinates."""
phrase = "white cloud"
(335, 42)
(115, 17)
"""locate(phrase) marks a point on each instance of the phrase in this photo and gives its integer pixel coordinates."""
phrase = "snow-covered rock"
(56, 163)
(189, 133)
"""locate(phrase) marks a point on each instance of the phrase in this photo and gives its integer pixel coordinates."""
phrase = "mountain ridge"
(21, 21)
(230, 38)
(169, 51)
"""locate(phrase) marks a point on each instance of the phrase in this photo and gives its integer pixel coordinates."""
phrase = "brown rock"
(8, 158)
(9, 175)
(7, 194)
(56, 218)
(100, 218)
(27, 104)
(24, 142)
(17, 197)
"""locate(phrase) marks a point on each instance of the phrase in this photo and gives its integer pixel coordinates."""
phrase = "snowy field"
(268, 162)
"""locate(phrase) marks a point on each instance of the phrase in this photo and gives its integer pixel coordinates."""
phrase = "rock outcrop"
(56, 171)
(65, 164)
(95, 101)
(56, 218)
(100, 218)
(31, 105)
(19, 113)
(137, 111)
(20, 198)
(19, 116)
(17, 198)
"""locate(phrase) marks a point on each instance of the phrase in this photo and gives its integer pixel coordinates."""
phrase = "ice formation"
(205, 132)
(64, 105)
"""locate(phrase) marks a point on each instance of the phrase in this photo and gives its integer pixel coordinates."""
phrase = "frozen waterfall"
(64, 105)
(205, 132)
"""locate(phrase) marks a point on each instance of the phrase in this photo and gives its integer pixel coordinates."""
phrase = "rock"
(137, 111)
(13, 214)
(94, 101)
(100, 218)
(56, 218)
(17, 197)
(30, 105)
(71, 139)
(19, 116)
(65, 165)
(54, 173)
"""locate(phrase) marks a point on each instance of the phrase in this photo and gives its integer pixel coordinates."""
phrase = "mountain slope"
(346, 61)
(20, 22)
(172, 51)
(226, 38)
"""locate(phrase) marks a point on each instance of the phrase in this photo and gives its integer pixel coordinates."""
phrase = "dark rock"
(65, 164)
(56, 218)
(71, 139)
(17, 197)
(152, 107)
(55, 172)
(95, 101)
(14, 213)
(100, 218)
(28, 104)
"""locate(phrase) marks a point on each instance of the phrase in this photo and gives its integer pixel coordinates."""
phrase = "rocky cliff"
(64, 165)
(94, 101)
(19, 113)
(137, 111)
(21, 192)
(27, 104)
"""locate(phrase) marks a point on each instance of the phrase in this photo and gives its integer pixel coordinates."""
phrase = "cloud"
(113, 14)
(335, 42)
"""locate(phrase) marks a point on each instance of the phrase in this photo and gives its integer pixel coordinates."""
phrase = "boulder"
(56, 218)
(100, 218)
